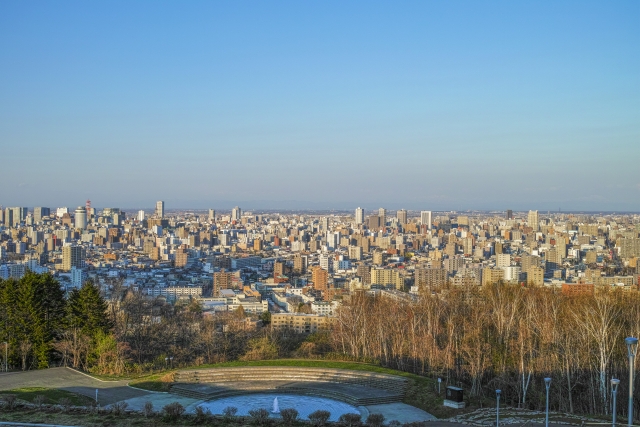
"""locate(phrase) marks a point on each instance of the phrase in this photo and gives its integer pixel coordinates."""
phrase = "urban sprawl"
(301, 266)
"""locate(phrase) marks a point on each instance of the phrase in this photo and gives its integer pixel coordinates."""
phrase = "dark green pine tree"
(87, 311)
(34, 309)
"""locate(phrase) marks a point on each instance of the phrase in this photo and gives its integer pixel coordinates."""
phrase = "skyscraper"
(425, 219)
(212, 215)
(81, 217)
(40, 212)
(140, 216)
(359, 216)
(402, 216)
(72, 256)
(533, 220)
(382, 213)
(236, 213)
(160, 209)
(509, 214)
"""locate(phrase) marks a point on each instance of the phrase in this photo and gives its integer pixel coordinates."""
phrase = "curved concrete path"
(73, 381)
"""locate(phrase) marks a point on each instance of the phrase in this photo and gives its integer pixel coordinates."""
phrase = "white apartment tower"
(236, 213)
(425, 219)
(359, 216)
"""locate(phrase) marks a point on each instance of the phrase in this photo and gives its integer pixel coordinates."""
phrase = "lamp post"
(632, 350)
(614, 391)
(498, 391)
(6, 356)
(547, 384)
(166, 362)
(171, 360)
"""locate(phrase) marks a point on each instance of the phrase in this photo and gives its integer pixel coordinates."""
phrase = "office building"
(80, 218)
(425, 219)
(533, 220)
(40, 212)
(402, 216)
(212, 215)
(509, 214)
(359, 216)
(236, 214)
(140, 216)
(382, 213)
(160, 209)
(374, 222)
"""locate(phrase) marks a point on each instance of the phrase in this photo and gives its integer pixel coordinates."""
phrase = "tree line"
(504, 337)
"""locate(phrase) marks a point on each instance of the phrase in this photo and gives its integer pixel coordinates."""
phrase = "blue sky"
(421, 105)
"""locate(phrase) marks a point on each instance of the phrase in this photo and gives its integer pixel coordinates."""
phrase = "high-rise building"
(72, 256)
(236, 213)
(212, 215)
(81, 218)
(40, 212)
(425, 219)
(402, 216)
(509, 214)
(382, 213)
(320, 278)
(8, 217)
(533, 220)
(14, 216)
(140, 216)
(221, 280)
(359, 216)
(160, 209)
(374, 222)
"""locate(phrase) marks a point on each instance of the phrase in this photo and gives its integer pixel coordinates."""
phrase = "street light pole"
(498, 391)
(614, 390)
(547, 384)
(6, 356)
(632, 350)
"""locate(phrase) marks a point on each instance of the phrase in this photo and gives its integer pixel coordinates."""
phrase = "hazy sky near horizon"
(421, 105)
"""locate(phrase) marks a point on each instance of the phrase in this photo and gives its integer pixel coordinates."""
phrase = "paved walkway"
(73, 381)
(400, 412)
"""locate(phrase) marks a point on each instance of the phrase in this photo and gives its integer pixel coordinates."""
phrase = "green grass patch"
(51, 395)
(155, 382)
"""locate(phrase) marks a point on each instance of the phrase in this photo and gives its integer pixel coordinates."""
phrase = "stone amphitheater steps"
(354, 387)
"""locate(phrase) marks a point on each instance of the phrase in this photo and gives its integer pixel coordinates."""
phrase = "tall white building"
(333, 239)
(359, 216)
(78, 277)
(81, 218)
(236, 213)
(425, 219)
(212, 215)
(61, 211)
(140, 216)
(160, 209)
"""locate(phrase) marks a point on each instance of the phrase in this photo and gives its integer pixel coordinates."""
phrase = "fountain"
(303, 404)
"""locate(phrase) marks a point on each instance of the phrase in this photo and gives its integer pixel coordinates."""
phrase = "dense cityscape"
(308, 261)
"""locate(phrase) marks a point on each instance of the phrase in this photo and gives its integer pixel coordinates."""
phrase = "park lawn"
(52, 396)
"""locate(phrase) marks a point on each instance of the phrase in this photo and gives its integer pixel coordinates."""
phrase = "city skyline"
(440, 104)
